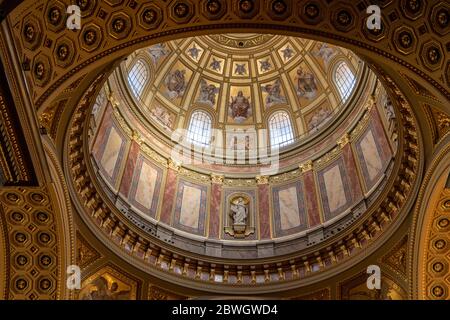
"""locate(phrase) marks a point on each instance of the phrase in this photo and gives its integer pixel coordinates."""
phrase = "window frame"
(196, 136)
(287, 135)
(144, 78)
(342, 83)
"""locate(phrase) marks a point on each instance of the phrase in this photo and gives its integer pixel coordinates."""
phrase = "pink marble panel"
(380, 135)
(214, 214)
(311, 198)
(264, 218)
(100, 140)
(129, 168)
(169, 196)
(350, 165)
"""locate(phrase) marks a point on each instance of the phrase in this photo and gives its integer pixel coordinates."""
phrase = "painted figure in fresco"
(194, 52)
(101, 291)
(265, 65)
(274, 94)
(239, 108)
(208, 93)
(306, 84)
(240, 69)
(176, 83)
(287, 53)
(239, 211)
(162, 116)
(99, 102)
(157, 52)
(216, 65)
(325, 52)
(319, 118)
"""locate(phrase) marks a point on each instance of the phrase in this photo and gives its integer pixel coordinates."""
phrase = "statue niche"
(239, 223)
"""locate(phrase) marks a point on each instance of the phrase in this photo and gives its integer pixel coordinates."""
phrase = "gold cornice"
(328, 157)
(287, 176)
(183, 172)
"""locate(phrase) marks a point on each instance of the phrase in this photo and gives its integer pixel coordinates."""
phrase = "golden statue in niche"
(239, 222)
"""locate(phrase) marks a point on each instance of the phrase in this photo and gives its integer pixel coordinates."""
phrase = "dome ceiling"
(106, 186)
(240, 81)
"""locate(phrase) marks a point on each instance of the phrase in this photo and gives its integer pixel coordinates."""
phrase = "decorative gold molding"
(344, 140)
(307, 166)
(217, 178)
(172, 164)
(262, 180)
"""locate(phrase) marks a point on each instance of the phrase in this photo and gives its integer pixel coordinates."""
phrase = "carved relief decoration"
(156, 293)
(86, 254)
(396, 259)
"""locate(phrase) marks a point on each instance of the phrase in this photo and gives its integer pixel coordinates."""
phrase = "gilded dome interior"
(240, 81)
(184, 149)
(226, 139)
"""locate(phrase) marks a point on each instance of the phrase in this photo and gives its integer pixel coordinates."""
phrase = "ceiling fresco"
(242, 79)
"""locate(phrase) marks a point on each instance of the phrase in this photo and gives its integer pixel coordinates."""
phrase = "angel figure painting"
(100, 289)
(157, 52)
(319, 118)
(161, 115)
(208, 93)
(274, 95)
(176, 84)
(325, 52)
(240, 108)
(306, 84)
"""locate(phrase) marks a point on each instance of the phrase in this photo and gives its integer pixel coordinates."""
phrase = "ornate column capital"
(344, 140)
(372, 102)
(217, 178)
(136, 136)
(308, 165)
(172, 164)
(113, 100)
(262, 180)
